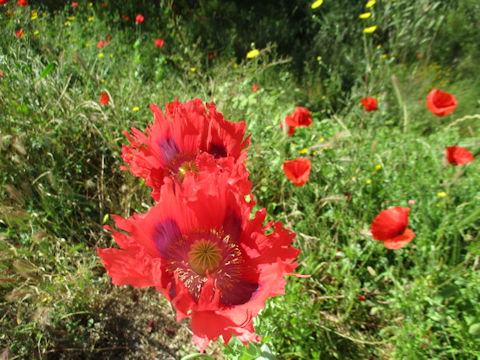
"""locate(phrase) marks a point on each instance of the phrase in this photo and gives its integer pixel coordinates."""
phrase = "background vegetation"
(60, 177)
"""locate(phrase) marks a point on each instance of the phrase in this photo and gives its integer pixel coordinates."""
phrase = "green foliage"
(60, 171)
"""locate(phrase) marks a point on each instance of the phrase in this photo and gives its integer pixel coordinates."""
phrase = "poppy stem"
(401, 103)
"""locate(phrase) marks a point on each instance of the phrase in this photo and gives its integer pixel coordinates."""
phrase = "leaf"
(48, 69)
(474, 329)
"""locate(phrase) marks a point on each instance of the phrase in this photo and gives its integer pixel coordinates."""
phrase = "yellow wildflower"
(368, 182)
(316, 4)
(102, 81)
(71, 18)
(235, 66)
(370, 29)
(253, 53)
(384, 56)
(319, 58)
(100, 55)
(378, 167)
(303, 151)
(90, 4)
(365, 15)
(36, 32)
(321, 140)
(442, 194)
(370, 3)
(193, 69)
(136, 108)
(66, 23)
(34, 15)
(91, 18)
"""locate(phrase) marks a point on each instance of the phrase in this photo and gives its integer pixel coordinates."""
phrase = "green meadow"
(60, 177)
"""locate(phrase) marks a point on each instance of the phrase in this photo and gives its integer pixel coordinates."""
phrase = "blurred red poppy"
(298, 170)
(104, 98)
(441, 103)
(22, 2)
(3, 2)
(139, 19)
(75, 4)
(1, 73)
(390, 226)
(369, 103)
(159, 42)
(255, 88)
(104, 4)
(300, 117)
(211, 56)
(101, 44)
(109, 38)
(457, 155)
(19, 33)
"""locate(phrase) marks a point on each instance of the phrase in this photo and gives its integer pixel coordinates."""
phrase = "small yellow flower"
(365, 15)
(253, 53)
(442, 194)
(136, 108)
(370, 3)
(88, 43)
(102, 81)
(315, 153)
(100, 55)
(235, 66)
(317, 4)
(91, 18)
(71, 18)
(36, 32)
(111, 55)
(193, 69)
(378, 167)
(303, 151)
(66, 23)
(384, 56)
(321, 140)
(370, 29)
(34, 15)
(90, 4)
(368, 182)
(44, 14)
(379, 46)
(327, 147)
(319, 58)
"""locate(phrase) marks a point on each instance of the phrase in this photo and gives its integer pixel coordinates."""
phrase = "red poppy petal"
(457, 155)
(441, 103)
(390, 223)
(298, 170)
(399, 241)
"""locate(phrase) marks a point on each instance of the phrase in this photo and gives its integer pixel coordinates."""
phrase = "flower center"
(204, 255)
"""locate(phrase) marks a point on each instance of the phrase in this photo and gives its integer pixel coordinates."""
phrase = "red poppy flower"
(159, 42)
(457, 155)
(211, 56)
(171, 145)
(104, 98)
(104, 4)
(200, 249)
(255, 88)
(102, 44)
(75, 4)
(390, 226)
(298, 170)
(441, 103)
(369, 103)
(19, 33)
(139, 19)
(3, 2)
(300, 117)
(22, 2)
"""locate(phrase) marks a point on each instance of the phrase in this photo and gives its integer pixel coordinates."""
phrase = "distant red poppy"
(104, 98)
(211, 56)
(159, 42)
(390, 226)
(457, 155)
(419, 56)
(139, 19)
(104, 4)
(102, 44)
(75, 4)
(19, 33)
(1, 73)
(361, 298)
(22, 2)
(298, 170)
(441, 103)
(109, 38)
(300, 117)
(369, 103)
(3, 2)
(255, 88)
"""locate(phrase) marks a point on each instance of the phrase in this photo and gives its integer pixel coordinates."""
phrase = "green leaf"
(474, 329)
(48, 69)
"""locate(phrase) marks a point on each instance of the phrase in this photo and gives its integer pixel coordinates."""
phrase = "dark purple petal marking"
(232, 225)
(168, 148)
(240, 293)
(165, 235)
(218, 151)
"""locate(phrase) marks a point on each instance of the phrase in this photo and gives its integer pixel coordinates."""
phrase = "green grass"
(60, 176)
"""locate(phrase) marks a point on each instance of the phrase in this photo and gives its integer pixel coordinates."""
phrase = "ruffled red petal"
(441, 103)
(369, 103)
(400, 241)
(390, 223)
(457, 155)
(298, 170)
(299, 117)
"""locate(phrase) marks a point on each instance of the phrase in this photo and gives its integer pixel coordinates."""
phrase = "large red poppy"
(441, 103)
(22, 2)
(300, 117)
(298, 170)
(390, 226)
(159, 42)
(457, 155)
(171, 145)
(369, 103)
(199, 248)
(139, 18)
